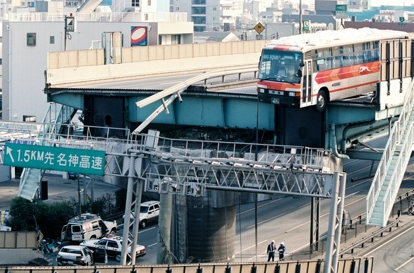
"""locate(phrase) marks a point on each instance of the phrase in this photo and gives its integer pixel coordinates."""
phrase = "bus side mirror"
(301, 64)
(299, 73)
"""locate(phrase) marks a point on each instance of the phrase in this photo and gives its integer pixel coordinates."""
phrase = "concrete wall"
(70, 67)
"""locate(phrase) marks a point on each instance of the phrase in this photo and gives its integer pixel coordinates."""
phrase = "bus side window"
(377, 55)
(348, 60)
(338, 61)
(358, 58)
(321, 64)
(370, 58)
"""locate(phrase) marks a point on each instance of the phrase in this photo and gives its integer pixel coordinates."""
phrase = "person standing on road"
(271, 249)
(281, 250)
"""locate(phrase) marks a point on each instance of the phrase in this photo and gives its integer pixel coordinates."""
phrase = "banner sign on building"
(138, 36)
(4, 214)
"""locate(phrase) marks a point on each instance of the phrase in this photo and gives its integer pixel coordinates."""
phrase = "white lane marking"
(375, 249)
(412, 258)
(145, 230)
(152, 245)
(250, 247)
(351, 194)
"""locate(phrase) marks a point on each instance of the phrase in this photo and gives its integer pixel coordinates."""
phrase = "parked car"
(75, 255)
(149, 212)
(113, 246)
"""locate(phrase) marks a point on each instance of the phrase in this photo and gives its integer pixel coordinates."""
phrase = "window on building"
(199, 28)
(146, 16)
(198, 10)
(135, 3)
(29, 118)
(177, 8)
(198, 19)
(52, 40)
(149, 2)
(198, 2)
(31, 39)
(175, 39)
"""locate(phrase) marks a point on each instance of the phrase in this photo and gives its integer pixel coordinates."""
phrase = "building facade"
(28, 37)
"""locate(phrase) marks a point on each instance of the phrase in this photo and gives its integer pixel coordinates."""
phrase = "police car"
(113, 246)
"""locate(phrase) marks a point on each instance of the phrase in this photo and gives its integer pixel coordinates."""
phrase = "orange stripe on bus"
(347, 72)
(349, 87)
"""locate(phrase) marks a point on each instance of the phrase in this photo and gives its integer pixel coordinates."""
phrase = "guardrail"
(370, 238)
(355, 265)
(394, 140)
(354, 229)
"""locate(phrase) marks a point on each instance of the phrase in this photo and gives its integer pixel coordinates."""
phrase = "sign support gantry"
(190, 167)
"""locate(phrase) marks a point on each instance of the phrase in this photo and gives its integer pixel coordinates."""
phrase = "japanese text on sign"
(55, 158)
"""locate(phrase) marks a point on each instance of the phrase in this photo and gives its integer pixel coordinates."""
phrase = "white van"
(149, 212)
(89, 226)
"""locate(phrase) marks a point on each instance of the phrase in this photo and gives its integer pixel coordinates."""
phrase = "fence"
(354, 265)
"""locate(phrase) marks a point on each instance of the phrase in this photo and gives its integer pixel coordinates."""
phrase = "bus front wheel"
(321, 101)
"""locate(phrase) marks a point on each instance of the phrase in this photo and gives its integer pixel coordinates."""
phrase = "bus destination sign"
(54, 158)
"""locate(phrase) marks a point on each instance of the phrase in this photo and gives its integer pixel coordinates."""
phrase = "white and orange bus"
(313, 69)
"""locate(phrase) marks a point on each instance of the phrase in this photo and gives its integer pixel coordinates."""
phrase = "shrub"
(49, 218)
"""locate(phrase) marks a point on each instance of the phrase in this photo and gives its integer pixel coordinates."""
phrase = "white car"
(113, 246)
(74, 255)
(149, 212)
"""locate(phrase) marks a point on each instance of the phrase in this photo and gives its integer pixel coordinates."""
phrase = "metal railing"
(238, 152)
(358, 265)
(394, 140)
(184, 149)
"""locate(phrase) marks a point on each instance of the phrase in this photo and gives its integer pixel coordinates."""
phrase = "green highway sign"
(341, 10)
(341, 7)
(54, 158)
(306, 24)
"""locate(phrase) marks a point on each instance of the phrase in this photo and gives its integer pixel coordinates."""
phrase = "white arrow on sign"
(8, 152)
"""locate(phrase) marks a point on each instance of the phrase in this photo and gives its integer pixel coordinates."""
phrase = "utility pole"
(300, 16)
(69, 27)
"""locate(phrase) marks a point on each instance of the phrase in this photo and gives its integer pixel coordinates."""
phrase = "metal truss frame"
(190, 178)
(191, 169)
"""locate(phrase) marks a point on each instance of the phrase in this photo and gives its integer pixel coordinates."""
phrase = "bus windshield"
(280, 66)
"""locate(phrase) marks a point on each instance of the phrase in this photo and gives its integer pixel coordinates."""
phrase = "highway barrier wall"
(18, 246)
(18, 239)
(73, 67)
(355, 265)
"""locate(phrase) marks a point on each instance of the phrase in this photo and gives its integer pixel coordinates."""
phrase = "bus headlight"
(261, 90)
(292, 94)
